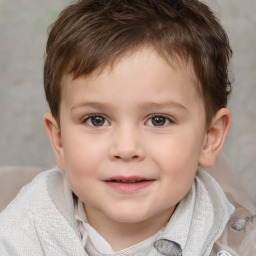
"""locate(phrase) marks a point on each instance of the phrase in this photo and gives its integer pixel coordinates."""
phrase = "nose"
(127, 145)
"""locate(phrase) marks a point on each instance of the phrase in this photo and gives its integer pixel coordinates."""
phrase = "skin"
(142, 118)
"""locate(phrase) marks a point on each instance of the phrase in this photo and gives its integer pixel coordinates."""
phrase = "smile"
(128, 184)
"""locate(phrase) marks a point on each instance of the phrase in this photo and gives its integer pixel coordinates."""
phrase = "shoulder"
(34, 219)
(239, 235)
(31, 202)
(32, 194)
(33, 222)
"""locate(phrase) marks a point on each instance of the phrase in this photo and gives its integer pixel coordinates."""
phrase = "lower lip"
(129, 187)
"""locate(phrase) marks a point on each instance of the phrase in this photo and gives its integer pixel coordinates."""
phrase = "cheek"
(81, 153)
(177, 159)
(80, 163)
(81, 166)
(178, 153)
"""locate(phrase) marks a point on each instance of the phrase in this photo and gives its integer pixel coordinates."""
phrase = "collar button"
(168, 248)
(223, 253)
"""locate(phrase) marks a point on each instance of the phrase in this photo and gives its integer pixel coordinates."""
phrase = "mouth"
(128, 184)
(127, 179)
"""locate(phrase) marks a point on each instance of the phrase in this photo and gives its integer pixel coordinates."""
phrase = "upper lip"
(130, 179)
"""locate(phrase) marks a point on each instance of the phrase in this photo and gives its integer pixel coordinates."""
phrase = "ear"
(215, 138)
(54, 134)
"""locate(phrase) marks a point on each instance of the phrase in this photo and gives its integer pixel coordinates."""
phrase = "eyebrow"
(143, 105)
(164, 105)
(96, 105)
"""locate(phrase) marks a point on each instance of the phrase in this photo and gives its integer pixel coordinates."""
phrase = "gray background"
(23, 33)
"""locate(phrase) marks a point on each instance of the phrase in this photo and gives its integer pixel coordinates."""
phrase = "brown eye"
(158, 121)
(97, 121)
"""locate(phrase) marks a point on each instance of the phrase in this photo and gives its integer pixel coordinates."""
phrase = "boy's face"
(131, 138)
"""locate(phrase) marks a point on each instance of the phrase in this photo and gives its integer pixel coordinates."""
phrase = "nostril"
(127, 157)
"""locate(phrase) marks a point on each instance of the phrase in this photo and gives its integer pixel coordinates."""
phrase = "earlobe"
(215, 138)
(54, 134)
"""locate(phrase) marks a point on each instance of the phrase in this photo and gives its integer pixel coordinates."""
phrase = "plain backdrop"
(23, 34)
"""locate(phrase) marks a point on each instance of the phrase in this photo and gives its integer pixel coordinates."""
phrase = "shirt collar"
(177, 229)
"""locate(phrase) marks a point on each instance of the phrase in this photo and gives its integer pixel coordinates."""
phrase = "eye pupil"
(158, 121)
(98, 120)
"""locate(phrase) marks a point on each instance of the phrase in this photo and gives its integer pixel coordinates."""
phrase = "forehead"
(140, 70)
(142, 53)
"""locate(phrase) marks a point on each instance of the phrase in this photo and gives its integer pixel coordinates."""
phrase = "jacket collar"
(199, 219)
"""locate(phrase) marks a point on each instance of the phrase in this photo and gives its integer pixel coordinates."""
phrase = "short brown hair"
(91, 34)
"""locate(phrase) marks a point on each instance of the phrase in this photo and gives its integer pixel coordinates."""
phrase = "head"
(137, 92)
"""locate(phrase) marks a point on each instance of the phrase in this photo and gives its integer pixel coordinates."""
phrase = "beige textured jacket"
(239, 236)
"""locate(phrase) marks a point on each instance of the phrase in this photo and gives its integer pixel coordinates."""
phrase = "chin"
(129, 216)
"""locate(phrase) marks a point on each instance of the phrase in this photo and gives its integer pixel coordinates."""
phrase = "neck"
(121, 235)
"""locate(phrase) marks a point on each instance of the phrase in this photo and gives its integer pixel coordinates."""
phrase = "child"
(137, 91)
